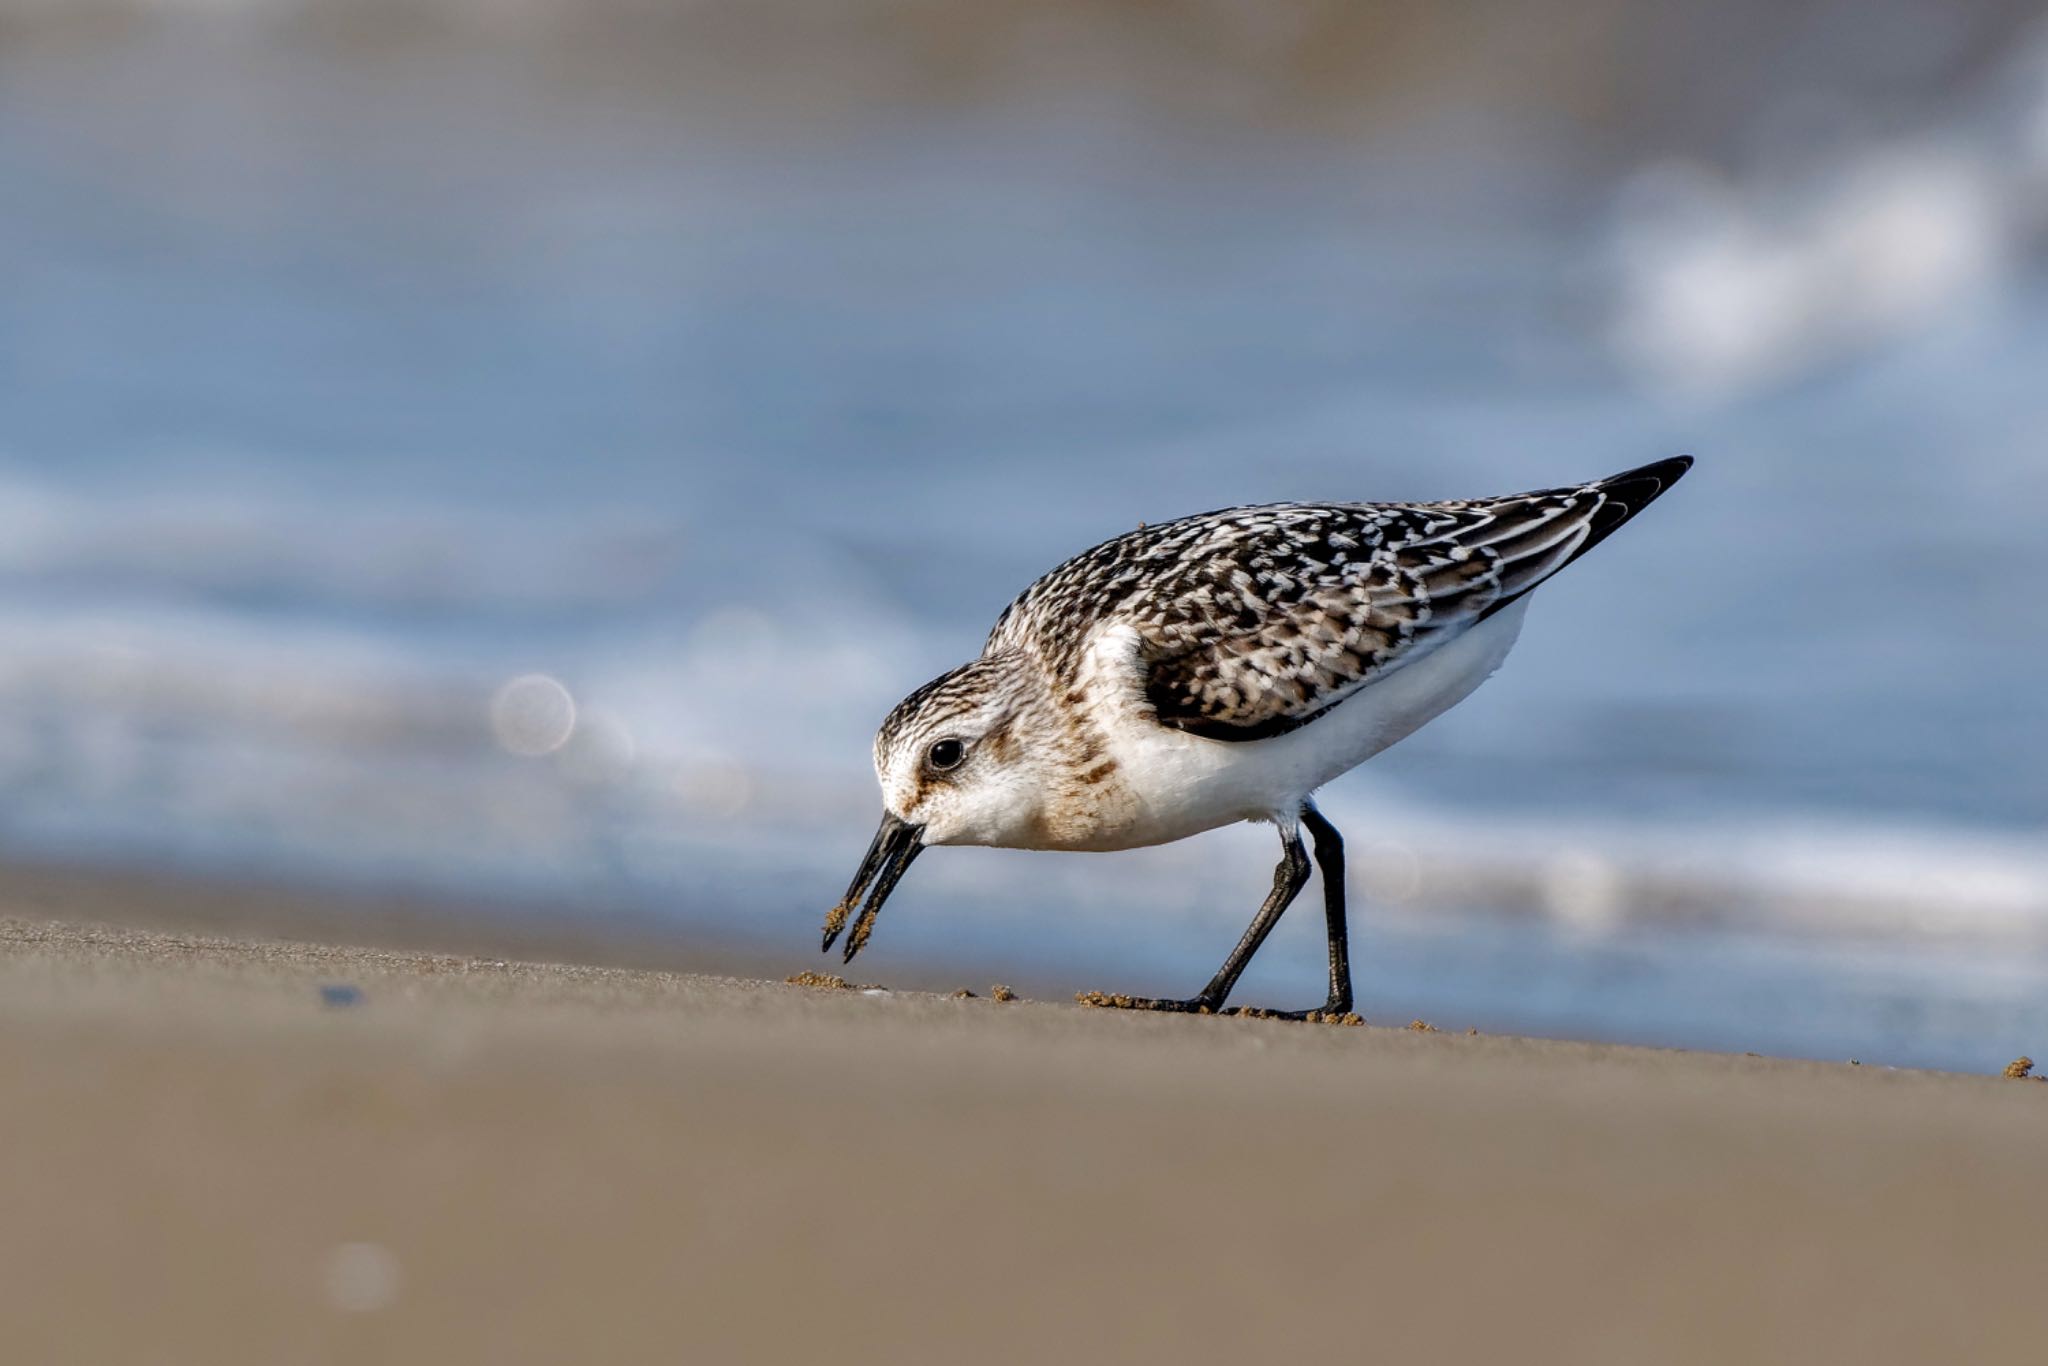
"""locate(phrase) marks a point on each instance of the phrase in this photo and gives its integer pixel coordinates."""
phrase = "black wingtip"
(1658, 476)
(1626, 494)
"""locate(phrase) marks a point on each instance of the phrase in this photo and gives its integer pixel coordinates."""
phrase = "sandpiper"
(1221, 668)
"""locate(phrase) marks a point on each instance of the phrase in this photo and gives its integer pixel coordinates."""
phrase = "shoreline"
(241, 1149)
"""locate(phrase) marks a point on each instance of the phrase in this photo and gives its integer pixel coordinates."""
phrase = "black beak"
(896, 844)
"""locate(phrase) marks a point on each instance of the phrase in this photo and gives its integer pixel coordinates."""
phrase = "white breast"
(1181, 784)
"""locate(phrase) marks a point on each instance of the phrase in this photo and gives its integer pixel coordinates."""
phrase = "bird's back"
(1254, 621)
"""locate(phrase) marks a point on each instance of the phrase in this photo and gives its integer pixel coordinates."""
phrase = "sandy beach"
(233, 1149)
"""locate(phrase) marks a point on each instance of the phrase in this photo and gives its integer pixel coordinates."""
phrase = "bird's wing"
(1257, 621)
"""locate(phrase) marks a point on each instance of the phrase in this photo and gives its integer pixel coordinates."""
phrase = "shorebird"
(1215, 669)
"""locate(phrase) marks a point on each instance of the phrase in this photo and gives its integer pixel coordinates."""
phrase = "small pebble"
(2018, 1068)
(341, 994)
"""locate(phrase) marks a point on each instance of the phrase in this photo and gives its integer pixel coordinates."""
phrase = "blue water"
(336, 394)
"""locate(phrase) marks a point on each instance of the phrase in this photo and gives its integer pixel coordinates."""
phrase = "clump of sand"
(822, 981)
(1106, 1000)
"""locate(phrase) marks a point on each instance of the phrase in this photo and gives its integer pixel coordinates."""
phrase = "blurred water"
(336, 395)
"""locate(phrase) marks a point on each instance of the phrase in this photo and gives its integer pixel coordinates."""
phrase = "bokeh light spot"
(533, 715)
(361, 1278)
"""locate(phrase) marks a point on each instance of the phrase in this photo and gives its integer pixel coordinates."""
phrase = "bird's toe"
(1325, 1014)
(1116, 1000)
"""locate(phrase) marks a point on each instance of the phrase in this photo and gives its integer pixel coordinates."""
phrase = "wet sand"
(224, 1150)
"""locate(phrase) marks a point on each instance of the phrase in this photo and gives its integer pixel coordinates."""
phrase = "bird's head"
(955, 767)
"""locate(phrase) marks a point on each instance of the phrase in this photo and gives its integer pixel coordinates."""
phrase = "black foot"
(1108, 1000)
(1330, 1012)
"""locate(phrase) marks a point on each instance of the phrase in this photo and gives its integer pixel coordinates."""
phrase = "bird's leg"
(1329, 846)
(1288, 879)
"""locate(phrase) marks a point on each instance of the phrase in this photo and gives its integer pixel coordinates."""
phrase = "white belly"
(1181, 784)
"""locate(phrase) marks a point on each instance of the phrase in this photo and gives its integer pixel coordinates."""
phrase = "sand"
(225, 1150)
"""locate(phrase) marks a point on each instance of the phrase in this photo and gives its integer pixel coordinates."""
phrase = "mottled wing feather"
(1284, 631)
(1254, 621)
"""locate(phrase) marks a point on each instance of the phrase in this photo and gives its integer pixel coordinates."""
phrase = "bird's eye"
(945, 754)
